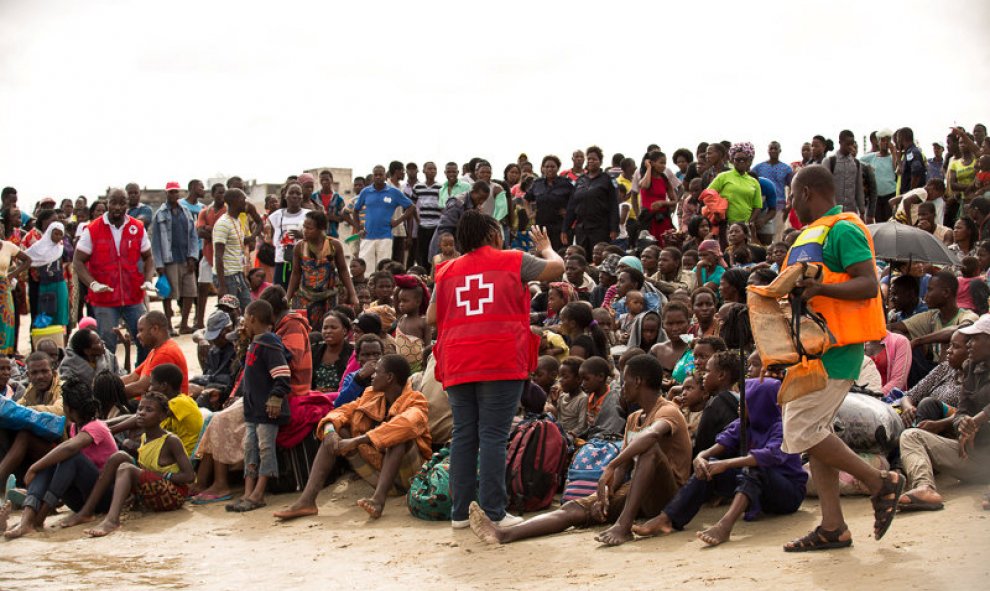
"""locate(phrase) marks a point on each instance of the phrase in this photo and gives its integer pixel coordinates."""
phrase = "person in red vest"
(485, 352)
(106, 260)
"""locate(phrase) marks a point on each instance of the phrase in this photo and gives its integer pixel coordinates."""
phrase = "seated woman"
(933, 400)
(332, 354)
(892, 356)
(765, 480)
(384, 435)
(584, 337)
(68, 473)
(86, 356)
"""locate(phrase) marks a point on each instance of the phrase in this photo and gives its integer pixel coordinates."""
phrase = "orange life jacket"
(851, 321)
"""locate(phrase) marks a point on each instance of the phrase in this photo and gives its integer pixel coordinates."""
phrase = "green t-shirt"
(845, 245)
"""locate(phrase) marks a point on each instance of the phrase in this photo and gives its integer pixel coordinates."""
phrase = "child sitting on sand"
(595, 375)
(68, 472)
(384, 435)
(764, 480)
(161, 477)
(654, 462)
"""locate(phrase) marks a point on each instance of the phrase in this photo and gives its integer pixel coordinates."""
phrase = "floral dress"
(317, 291)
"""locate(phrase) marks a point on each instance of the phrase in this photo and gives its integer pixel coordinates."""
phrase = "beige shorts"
(182, 280)
(808, 420)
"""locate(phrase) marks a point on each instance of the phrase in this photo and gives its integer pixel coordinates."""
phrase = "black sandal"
(885, 502)
(820, 539)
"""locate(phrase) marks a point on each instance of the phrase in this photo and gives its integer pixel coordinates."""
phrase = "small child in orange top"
(595, 375)
(714, 208)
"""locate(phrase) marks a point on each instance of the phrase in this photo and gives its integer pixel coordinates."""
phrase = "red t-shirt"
(208, 216)
(167, 352)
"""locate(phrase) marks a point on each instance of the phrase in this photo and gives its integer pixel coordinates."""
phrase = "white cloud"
(102, 92)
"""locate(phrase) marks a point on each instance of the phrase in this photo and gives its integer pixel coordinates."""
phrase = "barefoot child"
(264, 388)
(384, 435)
(765, 480)
(160, 479)
(68, 472)
(655, 453)
(412, 335)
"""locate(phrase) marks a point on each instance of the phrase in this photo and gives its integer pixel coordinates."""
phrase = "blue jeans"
(482, 414)
(70, 481)
(259, 450)
(108, 318)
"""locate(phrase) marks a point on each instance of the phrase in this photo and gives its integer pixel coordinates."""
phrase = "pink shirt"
(103, 445)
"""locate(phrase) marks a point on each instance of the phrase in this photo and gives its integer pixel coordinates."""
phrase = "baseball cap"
(215, 324)
(610, 264)
(172, 186)
(885, 132)
(981, 326)
(230, 302)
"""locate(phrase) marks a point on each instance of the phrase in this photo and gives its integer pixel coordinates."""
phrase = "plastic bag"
(164, 287)
(42, 320)
(45, 425)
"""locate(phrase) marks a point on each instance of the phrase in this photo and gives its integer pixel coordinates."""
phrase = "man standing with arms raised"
(106, 260)
(847, 295)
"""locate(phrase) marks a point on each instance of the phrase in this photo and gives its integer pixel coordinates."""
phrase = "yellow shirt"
(627, 183)
(185, 421)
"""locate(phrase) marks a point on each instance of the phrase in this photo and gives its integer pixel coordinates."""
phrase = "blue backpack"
(588, 464)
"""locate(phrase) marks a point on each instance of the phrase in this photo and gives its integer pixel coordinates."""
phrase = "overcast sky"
(98, 92)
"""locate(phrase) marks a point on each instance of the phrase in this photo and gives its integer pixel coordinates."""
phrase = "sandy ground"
(208, 548)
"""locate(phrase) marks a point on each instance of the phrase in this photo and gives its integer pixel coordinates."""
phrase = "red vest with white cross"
(119, 270)
(482, 312)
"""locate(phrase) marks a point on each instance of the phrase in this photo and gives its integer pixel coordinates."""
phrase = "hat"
(610, 264)
(44, 200)
(215, 324)
(885, 132)
(230, 302)
(631, 261)
(172, 186)
(939, 144)
(305, 178)
(87, 322)
(981, 326)
(710, 246)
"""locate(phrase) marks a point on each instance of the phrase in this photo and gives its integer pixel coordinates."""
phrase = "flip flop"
(244, 505)
(210, 499)
(916, 504)
(10, 485)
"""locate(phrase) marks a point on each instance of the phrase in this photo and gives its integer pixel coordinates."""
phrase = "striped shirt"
(427, 199)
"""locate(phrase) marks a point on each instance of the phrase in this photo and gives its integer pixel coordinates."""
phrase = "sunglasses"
(740, 159)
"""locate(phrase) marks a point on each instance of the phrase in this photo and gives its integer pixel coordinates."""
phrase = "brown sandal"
(885, 502)
(820, 539)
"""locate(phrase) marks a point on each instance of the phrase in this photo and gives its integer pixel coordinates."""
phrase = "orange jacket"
(851, 321)
(407, 419)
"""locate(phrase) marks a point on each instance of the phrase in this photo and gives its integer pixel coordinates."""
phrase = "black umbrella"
(895, 241)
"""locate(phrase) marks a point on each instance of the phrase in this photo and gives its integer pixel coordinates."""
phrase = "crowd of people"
(424, 314)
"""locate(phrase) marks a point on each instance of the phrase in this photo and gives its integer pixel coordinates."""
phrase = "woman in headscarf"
(47, 256)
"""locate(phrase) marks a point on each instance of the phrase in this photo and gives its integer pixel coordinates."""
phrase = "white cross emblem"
(471, 298)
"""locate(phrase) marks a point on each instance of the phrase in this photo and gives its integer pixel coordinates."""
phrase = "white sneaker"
(462, 524)
(510, 520)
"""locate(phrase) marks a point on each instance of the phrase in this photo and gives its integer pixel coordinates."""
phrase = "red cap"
(172, 186)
